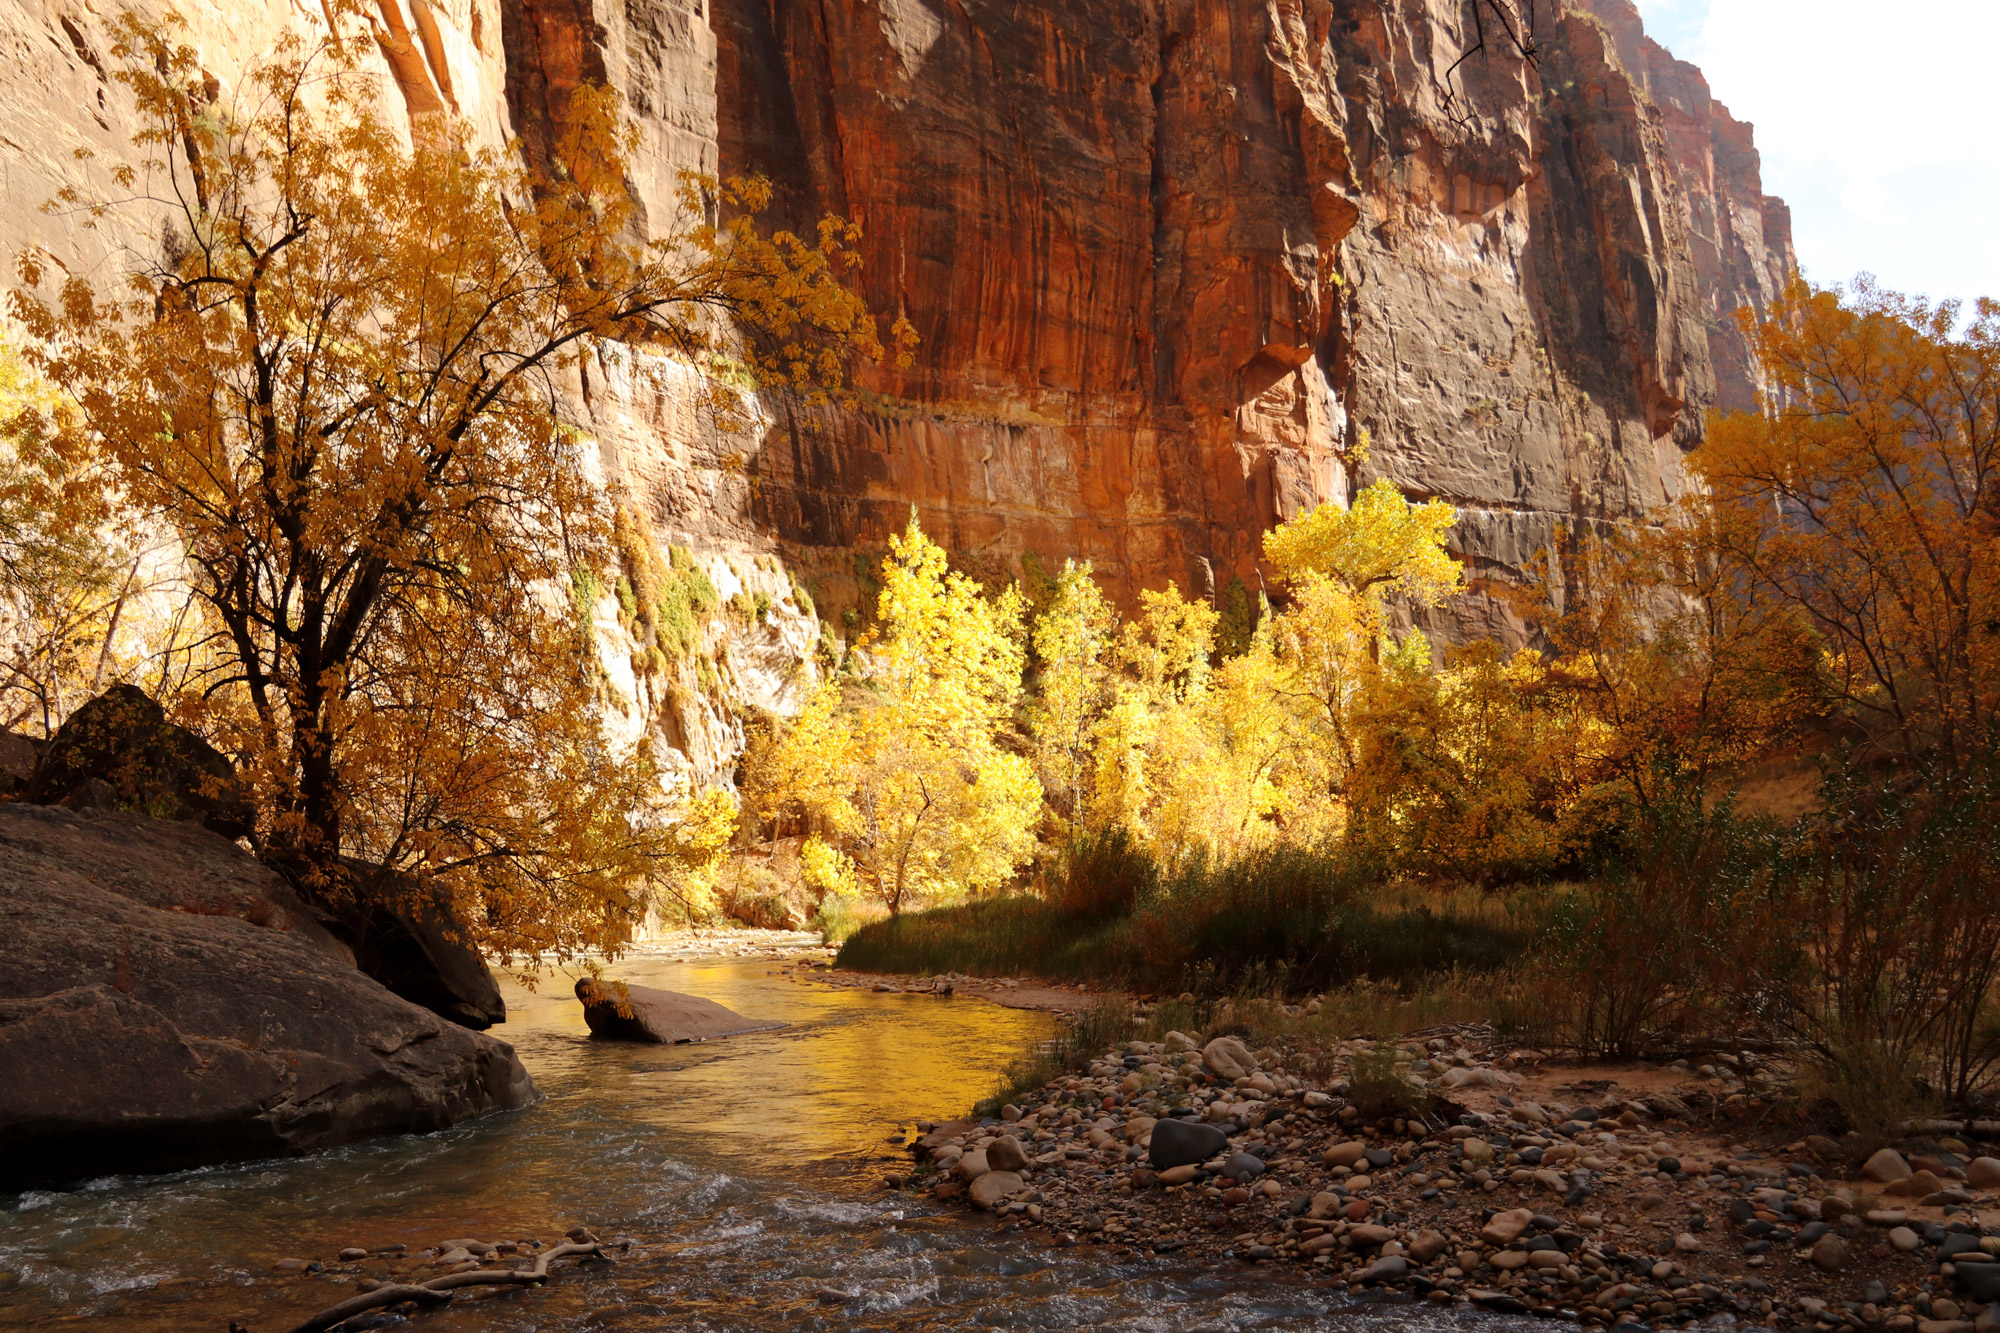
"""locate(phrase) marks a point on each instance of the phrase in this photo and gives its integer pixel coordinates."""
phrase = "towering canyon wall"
(1181, 268)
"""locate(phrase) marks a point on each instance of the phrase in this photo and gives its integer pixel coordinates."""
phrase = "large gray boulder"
(165, 1002)
(1184, 1143)
(619, 1011)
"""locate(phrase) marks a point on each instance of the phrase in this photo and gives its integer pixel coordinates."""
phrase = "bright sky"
(1876, 124)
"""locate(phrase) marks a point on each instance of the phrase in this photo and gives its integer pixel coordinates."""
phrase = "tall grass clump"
(1286, 920)
(1319, 917)
(1106, 874)
(1015, 936)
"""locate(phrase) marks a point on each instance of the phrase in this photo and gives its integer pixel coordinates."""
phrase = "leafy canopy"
(907, 787)
(338, 385)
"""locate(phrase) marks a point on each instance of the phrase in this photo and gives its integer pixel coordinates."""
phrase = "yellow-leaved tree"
(1197, 759)
(1329, 665)
(1074, 638)
(908, 788)
(1162, 661)
(64, 582)
(337, 384)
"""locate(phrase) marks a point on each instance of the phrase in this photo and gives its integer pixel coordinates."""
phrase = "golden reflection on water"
(634, 1139)
(847, 1067)
(729, 1164)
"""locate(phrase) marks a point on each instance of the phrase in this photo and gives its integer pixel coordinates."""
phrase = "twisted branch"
(438, 1290)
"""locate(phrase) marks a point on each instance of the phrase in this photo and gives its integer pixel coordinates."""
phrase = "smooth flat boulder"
(1886, 1167)
(995, 1188)
(620, 1011)
(163, 1006)
(1006, 1154)
(1228, 1059)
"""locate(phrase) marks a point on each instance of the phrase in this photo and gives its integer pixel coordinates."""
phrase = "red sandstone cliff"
(1173, 261)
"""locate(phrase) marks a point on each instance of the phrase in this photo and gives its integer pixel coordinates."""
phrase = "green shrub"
(1239, 620)
(673, 615)
(694, 580)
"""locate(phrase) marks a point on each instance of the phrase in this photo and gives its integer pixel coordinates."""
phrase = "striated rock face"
(1172, 260)
(1181, 268)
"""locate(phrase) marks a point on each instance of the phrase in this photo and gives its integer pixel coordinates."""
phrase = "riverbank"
(1466, 1172)
(1008, 992)
(745, 1173)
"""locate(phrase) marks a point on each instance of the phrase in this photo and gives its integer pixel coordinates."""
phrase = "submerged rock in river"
(165, 1002)
(617, 1011)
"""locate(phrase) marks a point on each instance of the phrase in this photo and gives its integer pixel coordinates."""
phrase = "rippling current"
(746, 1172)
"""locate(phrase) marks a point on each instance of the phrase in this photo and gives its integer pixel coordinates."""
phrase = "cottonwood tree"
(1863, 499)
(908, 789)
(338, 385)
(1074, 638)
(65, 581)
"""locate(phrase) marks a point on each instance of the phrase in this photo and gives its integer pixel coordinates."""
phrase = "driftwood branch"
(439, 1290)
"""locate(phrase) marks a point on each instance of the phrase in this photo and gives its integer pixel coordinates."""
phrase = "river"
(747, 1172)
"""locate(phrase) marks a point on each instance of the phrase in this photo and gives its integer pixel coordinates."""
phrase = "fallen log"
(439, 1290)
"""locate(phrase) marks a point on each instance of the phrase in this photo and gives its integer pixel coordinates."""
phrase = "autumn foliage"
(338, 386)
(335, 397)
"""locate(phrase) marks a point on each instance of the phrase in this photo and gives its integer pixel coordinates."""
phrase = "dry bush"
(1655, 953)
(1873, 1087)
(1888, 907)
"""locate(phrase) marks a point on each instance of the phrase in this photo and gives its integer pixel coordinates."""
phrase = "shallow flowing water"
(746, 1172)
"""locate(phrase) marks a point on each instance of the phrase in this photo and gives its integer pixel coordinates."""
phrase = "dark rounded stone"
(1981, 1281)
(1180, 1143)
(1242, 1166)
(1951, 1246)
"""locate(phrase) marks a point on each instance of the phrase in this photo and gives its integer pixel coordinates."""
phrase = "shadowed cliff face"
(1174, 262)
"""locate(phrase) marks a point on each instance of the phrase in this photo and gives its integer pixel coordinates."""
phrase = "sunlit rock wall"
(1174, 262)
